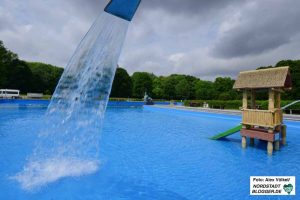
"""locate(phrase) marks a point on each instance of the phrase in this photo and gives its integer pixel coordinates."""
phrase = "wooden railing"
(265, 118)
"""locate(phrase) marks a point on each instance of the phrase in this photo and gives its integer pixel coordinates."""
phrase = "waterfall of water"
(68, 145)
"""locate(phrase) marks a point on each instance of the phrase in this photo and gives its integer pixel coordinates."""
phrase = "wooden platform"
(260, 134)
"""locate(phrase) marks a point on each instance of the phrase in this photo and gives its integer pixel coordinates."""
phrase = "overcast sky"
(205, 38)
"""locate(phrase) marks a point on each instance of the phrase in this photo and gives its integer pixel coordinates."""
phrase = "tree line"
(175, 86)
(185, 87)
(26, 76)
(43, 78)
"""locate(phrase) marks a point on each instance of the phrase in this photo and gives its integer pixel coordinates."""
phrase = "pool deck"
(219, 111)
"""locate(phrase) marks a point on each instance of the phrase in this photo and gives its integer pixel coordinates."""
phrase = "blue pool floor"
(149, 153)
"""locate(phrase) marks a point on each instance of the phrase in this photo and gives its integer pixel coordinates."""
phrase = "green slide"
(227, 133)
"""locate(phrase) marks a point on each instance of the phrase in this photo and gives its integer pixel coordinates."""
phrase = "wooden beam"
(251, 141)
(277, 145)
(258, 135)
(278, 100)
(290, 88)
(244, 142)
(270, 148)
(245, 99)
(271, 99)
(278, 90)
(253, 98)
(283, 134)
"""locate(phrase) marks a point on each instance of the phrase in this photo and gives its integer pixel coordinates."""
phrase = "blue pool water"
(150, 153)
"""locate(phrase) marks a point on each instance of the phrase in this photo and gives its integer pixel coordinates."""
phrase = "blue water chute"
(124, 9)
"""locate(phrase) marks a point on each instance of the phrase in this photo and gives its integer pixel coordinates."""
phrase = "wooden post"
(270, 148)
(277, 145)
(278, 128)
(245, 99)
(253, 98)
(244, 142)
(270, 130)
(271, 99)
(251, 141)
(271, 106)
(283, 134)
(278, 100)
(278, 105)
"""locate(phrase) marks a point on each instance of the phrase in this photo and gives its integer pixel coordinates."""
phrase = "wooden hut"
(263, 124)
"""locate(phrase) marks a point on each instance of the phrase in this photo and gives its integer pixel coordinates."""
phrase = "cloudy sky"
(205, 38)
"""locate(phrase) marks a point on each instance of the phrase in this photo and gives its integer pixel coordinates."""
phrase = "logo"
(272, 185)
(288, 188)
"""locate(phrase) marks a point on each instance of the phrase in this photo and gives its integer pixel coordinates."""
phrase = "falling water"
(68, 145)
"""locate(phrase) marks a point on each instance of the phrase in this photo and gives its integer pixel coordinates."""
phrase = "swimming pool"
(151, 153)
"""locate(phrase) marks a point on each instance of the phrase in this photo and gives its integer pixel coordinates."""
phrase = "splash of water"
(69, 143)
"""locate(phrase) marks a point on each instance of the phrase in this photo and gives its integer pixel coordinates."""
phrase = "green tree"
(192, 81)
(158, 87)
(169, 86)
(225, 96)
(19, 76)
(182, 89)
(45, 77)
(122, 85)
(223, 86)
(178, 86)
(14, 73)
(295, 73)
(142, 82)
(7, 59)
(205, 90)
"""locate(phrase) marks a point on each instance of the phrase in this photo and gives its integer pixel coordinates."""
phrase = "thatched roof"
(278, 77)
